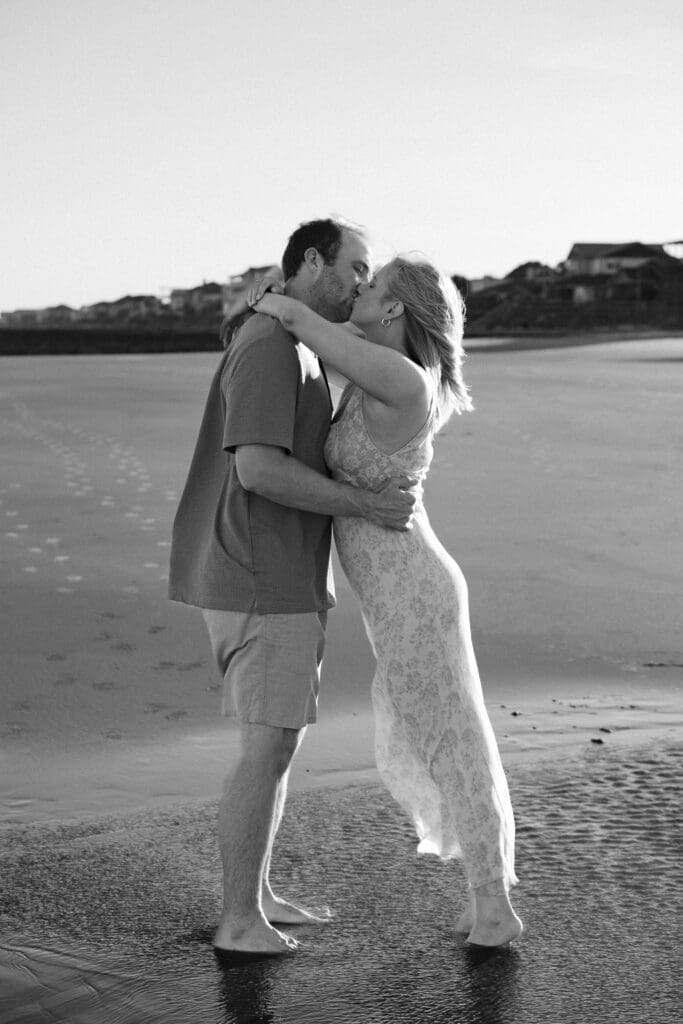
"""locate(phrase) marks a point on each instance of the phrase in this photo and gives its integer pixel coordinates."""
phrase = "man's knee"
(272, 747)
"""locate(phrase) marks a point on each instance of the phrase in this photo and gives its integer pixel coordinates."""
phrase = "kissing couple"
(275, 472)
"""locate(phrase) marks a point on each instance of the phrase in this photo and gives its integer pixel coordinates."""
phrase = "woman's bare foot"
(252, 935)
(495, 921)
(279, 911)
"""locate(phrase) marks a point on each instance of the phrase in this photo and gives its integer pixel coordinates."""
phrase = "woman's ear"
(396, 309)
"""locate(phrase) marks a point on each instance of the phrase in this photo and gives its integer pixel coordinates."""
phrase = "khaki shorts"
(270, 665)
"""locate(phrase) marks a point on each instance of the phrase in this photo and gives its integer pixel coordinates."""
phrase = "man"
(251, 543)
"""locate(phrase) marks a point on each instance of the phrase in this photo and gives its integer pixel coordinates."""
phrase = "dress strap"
(344, 400)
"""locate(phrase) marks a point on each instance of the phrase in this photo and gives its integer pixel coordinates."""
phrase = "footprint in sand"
(14, 729)
(106, 684)
(66, 680)
(179, 713)
(156, 629)
(55, 657)
(124, 647)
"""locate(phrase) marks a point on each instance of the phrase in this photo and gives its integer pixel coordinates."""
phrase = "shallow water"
(110, 921)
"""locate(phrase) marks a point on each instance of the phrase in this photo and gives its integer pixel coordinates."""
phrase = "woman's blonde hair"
(435, 320)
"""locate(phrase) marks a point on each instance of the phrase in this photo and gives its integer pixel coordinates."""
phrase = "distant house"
(609, 257)
(205, 298)
(136, 306)
(50, 316)
(129, 307)
(21, 318)
(179, 299)
(97, 313)
(585, 288)
(58, 316)
(531, 271)
(478, 284)
(237, 287)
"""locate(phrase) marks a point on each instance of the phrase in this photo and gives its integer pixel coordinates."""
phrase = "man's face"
(334, 290)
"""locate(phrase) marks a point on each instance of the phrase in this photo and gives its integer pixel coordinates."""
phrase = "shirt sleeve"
(260, 386)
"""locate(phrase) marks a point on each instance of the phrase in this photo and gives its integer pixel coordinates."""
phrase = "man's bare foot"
(466, 920)
(279, 911)
(253, 935)
(495, 921)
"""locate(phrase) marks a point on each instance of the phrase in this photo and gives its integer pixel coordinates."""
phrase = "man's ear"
(313, 260)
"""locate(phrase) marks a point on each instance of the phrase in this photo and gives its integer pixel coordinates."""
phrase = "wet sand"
(110, 921)
(560, 499)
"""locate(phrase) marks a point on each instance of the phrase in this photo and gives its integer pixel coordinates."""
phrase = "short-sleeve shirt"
(233, 549)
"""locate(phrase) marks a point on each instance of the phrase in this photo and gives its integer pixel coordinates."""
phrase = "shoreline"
(153, 773)
(49, 342)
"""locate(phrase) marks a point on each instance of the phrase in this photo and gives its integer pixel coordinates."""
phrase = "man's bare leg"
(245, 822)
(276, 909)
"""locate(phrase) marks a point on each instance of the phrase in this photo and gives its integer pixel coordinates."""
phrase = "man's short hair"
(324, 235)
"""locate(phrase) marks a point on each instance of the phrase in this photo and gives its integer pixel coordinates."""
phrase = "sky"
(152, 144)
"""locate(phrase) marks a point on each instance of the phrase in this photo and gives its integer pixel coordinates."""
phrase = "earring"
(385, 321)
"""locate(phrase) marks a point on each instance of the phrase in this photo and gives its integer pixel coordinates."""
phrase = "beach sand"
(559, 497)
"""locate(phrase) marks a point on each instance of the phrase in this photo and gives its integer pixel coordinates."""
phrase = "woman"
(435, 747)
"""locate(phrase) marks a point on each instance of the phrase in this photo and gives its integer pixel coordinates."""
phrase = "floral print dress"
(435, 748)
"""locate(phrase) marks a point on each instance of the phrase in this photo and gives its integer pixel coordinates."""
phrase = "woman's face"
(371, 302)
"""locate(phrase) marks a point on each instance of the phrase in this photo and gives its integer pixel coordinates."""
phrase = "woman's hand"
(272, 305)
(258, 290)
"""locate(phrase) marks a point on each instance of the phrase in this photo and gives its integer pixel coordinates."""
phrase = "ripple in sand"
(391, 954)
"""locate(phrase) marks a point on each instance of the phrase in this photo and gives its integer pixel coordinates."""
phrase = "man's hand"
(394, 504)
